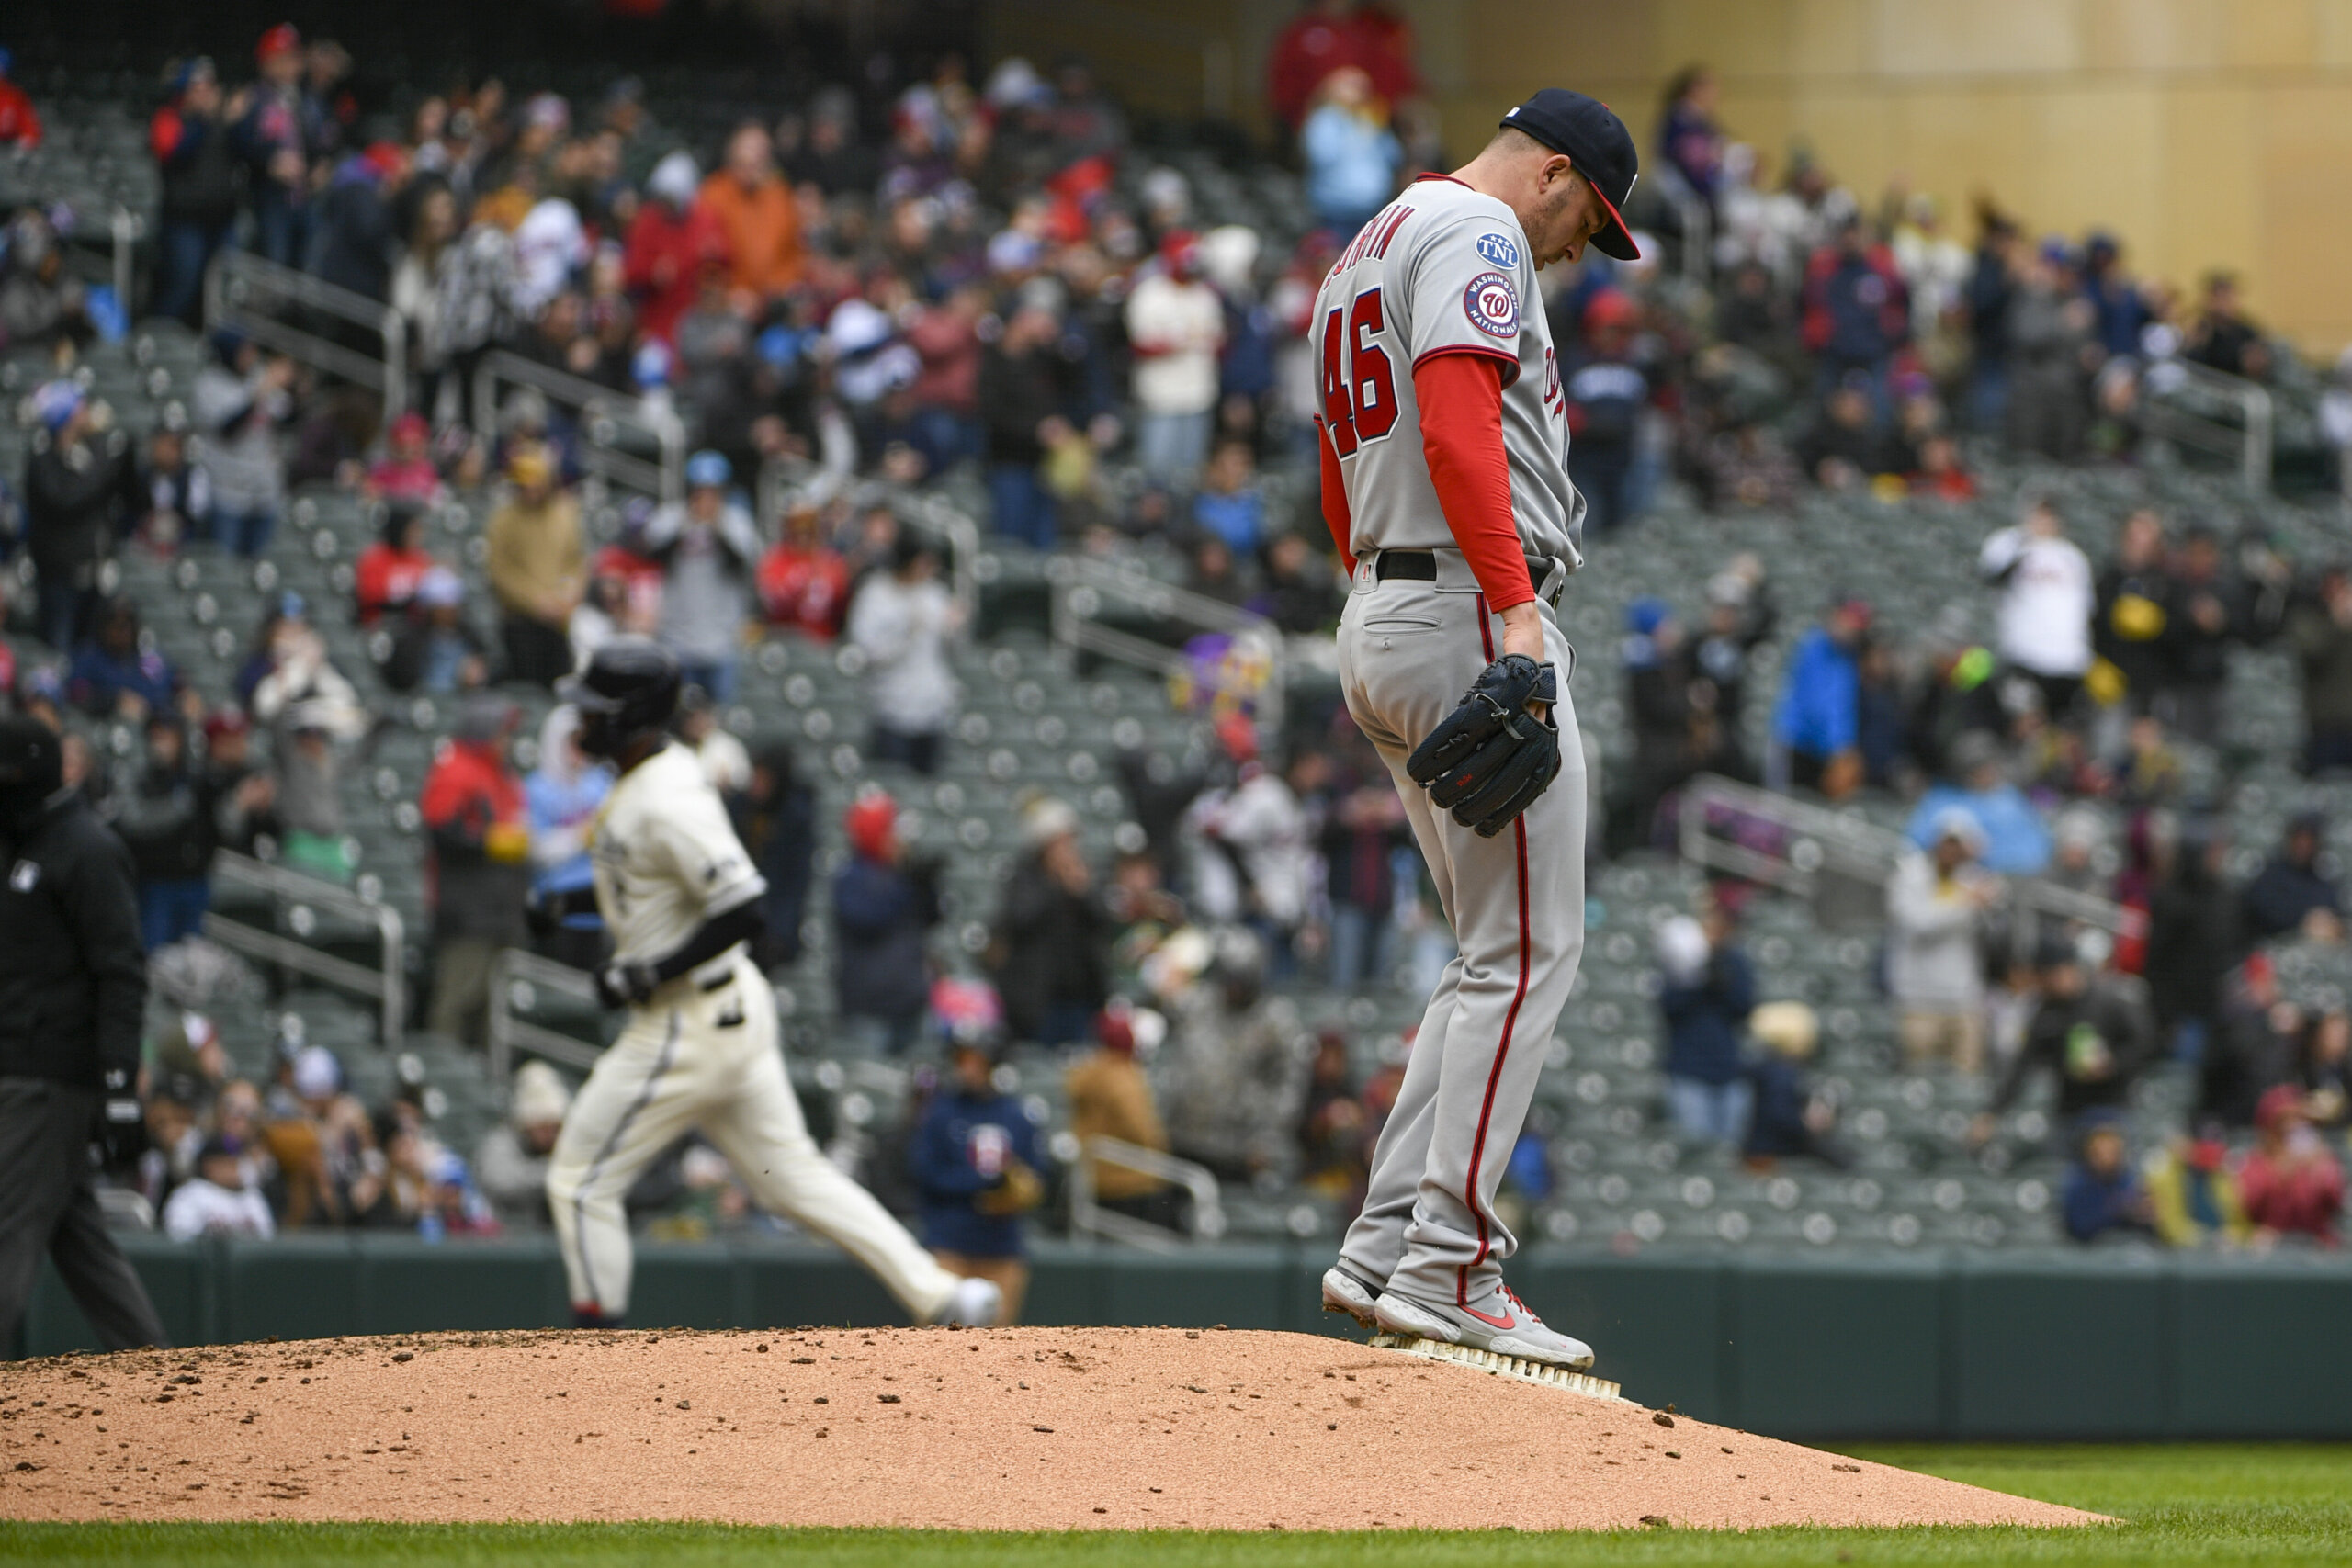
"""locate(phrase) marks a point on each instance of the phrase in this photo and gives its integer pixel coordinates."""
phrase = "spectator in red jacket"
(391, 568)
(19, 123)
(2290, 1183)
(669, 240)
(803, 582)
(479, 871)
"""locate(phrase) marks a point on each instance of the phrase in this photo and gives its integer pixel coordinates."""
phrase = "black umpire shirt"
(73, 972)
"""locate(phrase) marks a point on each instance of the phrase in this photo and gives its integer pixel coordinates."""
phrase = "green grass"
(2204, 1504)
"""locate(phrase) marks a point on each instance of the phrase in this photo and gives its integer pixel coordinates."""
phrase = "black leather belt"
(1421, 566)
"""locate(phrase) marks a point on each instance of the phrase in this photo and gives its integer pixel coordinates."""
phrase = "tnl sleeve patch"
(1500, 250)
(1492, 304)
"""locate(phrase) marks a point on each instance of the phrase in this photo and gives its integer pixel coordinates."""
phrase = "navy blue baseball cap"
(1597, 141)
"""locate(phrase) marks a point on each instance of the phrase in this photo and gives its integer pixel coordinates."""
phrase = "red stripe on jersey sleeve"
(1462, 438)
(1336, 515)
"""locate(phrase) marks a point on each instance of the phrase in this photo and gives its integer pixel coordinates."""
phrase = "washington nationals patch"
(1492, 305)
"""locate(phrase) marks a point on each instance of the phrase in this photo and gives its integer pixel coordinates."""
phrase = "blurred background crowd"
(1886, 519)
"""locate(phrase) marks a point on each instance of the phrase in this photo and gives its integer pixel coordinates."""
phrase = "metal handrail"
(599, 406)
(1087, 1217)
(1079, 586)
(507, 1033)
(388, 983)
(124, 229)
(238, 280)
(1698, 221)
(2251, 443)
(943, 515)
(1827, 840)
(127, 227)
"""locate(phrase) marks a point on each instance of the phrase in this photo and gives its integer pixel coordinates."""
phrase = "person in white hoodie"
(2046, 604)
(1935, 962)
(219, 1200)
(901, 620)
(1175, 325)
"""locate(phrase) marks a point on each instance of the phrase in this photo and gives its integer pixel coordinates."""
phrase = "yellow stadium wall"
(2206, 133)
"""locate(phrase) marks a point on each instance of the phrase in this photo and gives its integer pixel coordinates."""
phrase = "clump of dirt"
(1022, 1429)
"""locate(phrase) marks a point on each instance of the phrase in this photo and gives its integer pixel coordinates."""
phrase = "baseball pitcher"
(1444, 451)
(699, 1051)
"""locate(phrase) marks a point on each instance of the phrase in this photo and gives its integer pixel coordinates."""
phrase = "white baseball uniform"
(1446, 270)
(701, 1053)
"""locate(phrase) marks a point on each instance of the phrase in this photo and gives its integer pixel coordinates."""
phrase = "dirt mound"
(1024, 1429)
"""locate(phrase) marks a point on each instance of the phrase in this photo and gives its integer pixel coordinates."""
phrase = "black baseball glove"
(1489, 759)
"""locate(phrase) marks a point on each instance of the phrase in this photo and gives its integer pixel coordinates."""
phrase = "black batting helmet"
(629, 689)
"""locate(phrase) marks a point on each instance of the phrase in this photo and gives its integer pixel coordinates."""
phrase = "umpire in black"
(72, 997)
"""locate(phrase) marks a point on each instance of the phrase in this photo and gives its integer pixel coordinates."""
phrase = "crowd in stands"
(2055, 753)
(982, 276)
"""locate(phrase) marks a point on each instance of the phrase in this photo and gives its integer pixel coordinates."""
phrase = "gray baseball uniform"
(1444, 269)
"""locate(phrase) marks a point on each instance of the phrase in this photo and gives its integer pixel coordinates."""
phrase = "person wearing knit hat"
(1176, 323)
(477, 871)
(2290, 1183)
(885, 903)
(1053, 931)
(670, 240)
(272, 138)
(538, 566)
(1788, 1121)
(1111, 1097)
(510, 1163)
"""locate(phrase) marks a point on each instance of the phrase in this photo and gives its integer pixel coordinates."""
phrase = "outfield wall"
(1947, 1344)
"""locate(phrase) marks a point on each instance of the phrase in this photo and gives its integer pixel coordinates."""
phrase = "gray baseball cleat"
(1503, 1325)
(976, 1303)
(1342, 1292)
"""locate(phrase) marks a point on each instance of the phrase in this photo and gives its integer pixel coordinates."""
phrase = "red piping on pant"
(1502, 1047)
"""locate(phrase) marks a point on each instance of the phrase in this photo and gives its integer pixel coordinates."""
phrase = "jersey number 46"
(1359, 398)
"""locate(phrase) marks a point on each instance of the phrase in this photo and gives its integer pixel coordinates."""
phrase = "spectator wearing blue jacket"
(1815, 725)
(2017, 842)
(2120, 314)
(1230, 504)
(1352, 155)
(112, 675)
(2104, 1196)
(1857, 310)
(1706, 991)
(1789, 1122)
(977, 1161)
(883, 905)
(560, 799)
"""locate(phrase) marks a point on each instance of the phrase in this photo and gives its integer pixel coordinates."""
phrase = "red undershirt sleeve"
(1336, 516)
(1461, 395)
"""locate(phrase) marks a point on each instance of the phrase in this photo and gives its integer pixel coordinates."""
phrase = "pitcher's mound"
(1024, 1428)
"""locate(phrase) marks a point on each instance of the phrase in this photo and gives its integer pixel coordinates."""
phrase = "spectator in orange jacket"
(670, 237)
(754, 208)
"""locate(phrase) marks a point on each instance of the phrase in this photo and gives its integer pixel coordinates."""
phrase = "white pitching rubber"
(1500, 1366)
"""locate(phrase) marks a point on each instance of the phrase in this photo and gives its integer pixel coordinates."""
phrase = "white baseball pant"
(709, 1060)
(1408, 651)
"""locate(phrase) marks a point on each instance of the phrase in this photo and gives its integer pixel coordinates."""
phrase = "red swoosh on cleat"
(1504, 1322)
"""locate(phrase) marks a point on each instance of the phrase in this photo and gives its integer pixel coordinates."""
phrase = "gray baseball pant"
(1407, 652)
